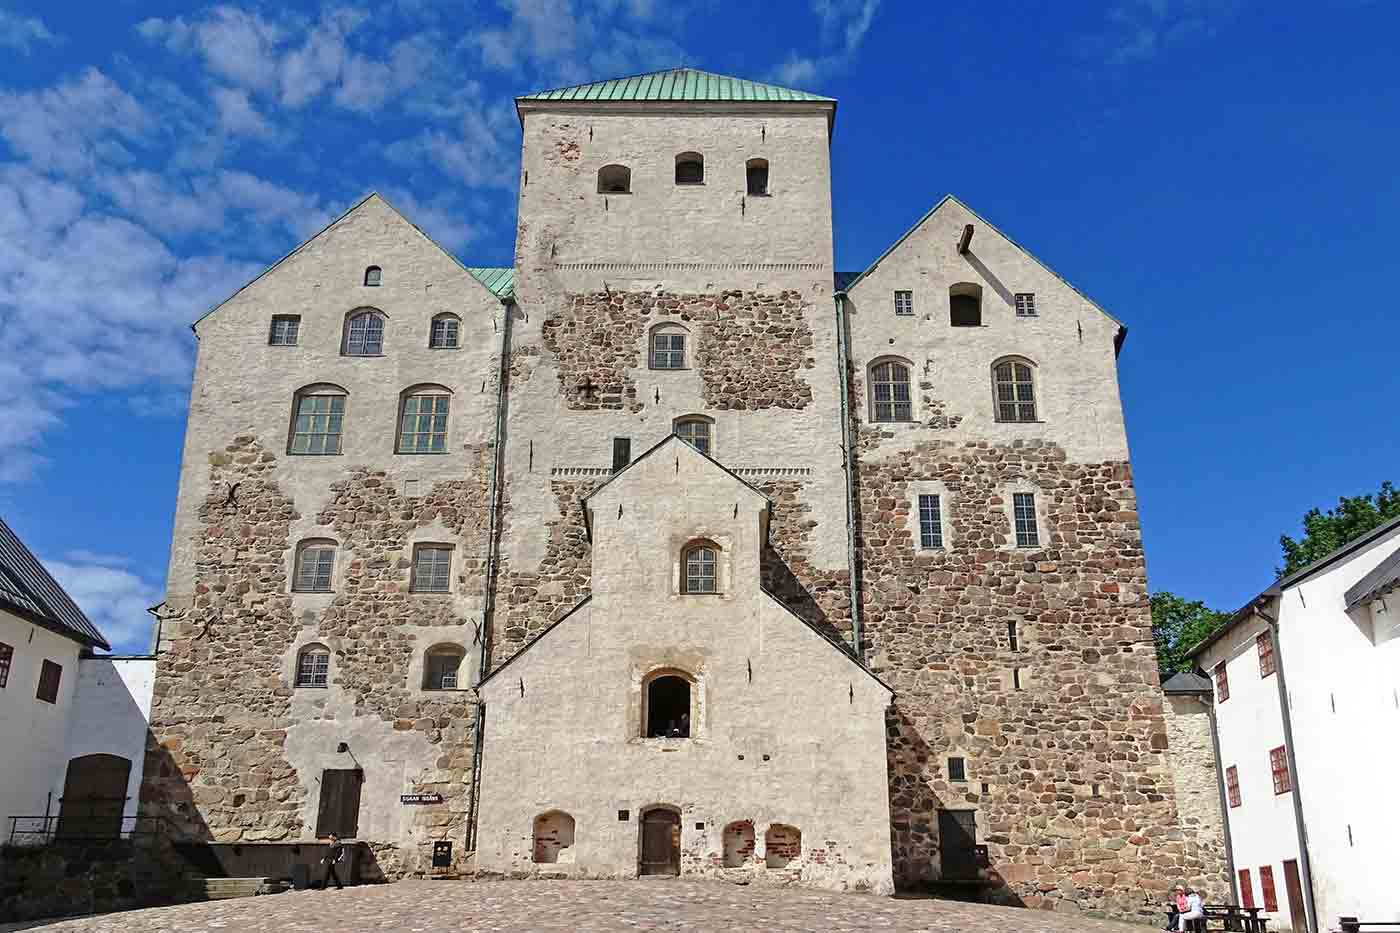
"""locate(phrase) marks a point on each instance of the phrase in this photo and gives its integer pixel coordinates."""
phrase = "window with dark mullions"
(7, 655)
(49, 676)
(1264, 642)
(1015, 391)
(904, 303)
(1027, 530)
(668, 351)
(1222, 683)
(957, 769)
(1232, 785)
(432, 569)
(694, 432)
(313, 666)
(285, 329)
(890, 392)
(443, 333)
(700, 570)
(1025, 304)
(441, 668)
(930, 523)
(1278, 765)
(364, 335)
(317, 427)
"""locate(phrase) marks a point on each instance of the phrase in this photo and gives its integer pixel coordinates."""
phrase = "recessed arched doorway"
(661, 842)
(94, 797)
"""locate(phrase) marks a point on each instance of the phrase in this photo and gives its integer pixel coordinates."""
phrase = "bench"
(1229, 917)
(1352, 925)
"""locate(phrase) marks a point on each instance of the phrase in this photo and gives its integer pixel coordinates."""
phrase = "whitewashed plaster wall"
(110, 717)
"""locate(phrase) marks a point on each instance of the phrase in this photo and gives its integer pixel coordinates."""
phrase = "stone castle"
(671, 549)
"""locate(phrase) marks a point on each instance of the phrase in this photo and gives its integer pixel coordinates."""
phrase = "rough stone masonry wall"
(222, 705)
(1079, 809)
(750, 347)
(1196, 775)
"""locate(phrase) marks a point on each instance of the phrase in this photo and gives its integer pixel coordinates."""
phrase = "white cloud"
(237, 45)
(476, 151)
(1140, 30)
(844, 24)
(571, 41)
(21, 32)
(75, 124)
(112, 597)
(238, 116)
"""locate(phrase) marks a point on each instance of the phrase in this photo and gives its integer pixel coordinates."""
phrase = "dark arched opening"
(668, 708)
(94, 797)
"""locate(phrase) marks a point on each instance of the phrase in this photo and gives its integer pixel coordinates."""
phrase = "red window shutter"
(1232, 785)
(1246, 888)
(1266, 884)
(1222, 683)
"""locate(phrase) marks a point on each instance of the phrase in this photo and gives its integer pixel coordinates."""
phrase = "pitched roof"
(845, 283)
(500, 282)
(676, 84)
(352, 209)
(1381, 580)
(27, 589)
(1188, 683)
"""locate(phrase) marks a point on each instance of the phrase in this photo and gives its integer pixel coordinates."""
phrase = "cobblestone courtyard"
(584, 906)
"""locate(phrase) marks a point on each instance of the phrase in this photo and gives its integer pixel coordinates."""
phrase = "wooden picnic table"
(1230, 917)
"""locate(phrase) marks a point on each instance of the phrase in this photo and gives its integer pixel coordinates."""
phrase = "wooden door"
(1294, 883)
(339, 809)
(661, 843)
(957, 834)
(94, 797)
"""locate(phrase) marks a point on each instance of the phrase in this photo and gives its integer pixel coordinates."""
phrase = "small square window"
(1025, 304)
(623, 816)
(957, 769)
(49, 677)
(285, 330)
(904, 303)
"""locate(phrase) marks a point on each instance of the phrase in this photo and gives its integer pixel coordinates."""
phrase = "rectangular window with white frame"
(432, 569)
(285, 328)
(930, 522)
(904, 303)
(1027, 528)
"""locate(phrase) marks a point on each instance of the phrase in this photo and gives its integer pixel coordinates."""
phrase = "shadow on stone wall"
(69, 877)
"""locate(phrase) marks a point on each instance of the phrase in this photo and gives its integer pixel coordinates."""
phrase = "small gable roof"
(489, 278)
(845, 282)
(1380, 581)
(27, 589)
(1187, 683)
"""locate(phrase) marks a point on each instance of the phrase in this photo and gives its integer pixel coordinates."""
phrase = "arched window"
(313, 666)
(695, 431)
(444, 332)
(668, 348)
(738, 843)
(965, 305)
(314, 567)
(364, 334)
(423, 420)
(756, 173)
(782, 844)
(318, 420)
(700, 560)
(373, 275)
(614, 179)
(891, 398)
(442, 666)
(554, 833)
(1014, 384)
(667, 706)
(690, 168)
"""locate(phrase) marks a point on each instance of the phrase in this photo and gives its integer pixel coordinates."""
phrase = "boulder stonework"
(852, 706)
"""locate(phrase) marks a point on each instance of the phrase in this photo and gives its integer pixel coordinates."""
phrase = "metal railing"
(38, 830)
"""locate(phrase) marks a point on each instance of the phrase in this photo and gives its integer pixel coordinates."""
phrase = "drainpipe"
(1303, 858)
(488, 607)
(847, 456)
(1209, 703)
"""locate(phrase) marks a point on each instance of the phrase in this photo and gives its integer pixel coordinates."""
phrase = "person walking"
(335, 854)
(1176, 907)
(1195, 909)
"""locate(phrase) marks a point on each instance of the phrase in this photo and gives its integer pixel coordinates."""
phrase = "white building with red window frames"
(1307, 708)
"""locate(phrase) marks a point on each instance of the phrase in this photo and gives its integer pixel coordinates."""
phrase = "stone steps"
(218, 889)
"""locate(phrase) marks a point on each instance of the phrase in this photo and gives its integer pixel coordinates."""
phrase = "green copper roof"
(676, 84)
(500, 282)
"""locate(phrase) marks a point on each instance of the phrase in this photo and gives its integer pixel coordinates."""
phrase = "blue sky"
(1219, 175)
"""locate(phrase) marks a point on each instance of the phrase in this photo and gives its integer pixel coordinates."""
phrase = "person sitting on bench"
(1195, 910)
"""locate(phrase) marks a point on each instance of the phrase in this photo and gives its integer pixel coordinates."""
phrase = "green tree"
(1324, 532)
(1177, 625)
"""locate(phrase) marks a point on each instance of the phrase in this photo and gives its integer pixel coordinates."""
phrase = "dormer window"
(756, 173)
(690, 169)
(614, 179)
(373, 275)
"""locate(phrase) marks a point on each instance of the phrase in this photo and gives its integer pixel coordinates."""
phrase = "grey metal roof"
(1384, 578)
(1188, 683)
(27, 589)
